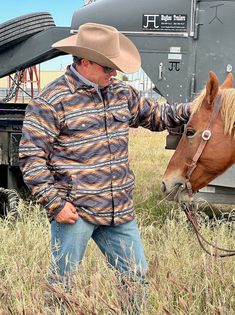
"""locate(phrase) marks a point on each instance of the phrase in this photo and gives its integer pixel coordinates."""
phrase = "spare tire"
(16, 30)
(9, 201)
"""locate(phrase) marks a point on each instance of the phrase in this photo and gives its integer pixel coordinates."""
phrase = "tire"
(16, 30)
(9, 201)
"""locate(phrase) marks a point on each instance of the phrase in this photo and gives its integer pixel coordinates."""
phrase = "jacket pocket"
(82, 124)
(122, 116)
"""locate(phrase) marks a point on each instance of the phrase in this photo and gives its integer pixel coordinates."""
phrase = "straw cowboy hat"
(104, 45)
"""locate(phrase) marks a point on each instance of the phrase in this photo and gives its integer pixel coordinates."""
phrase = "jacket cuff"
(55, 207)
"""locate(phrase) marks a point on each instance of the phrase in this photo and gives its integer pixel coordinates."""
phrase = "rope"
(190, 213)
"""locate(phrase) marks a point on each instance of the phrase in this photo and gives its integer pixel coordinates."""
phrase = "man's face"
(96, 73)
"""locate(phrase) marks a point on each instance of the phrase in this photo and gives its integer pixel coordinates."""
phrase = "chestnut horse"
(207, 146)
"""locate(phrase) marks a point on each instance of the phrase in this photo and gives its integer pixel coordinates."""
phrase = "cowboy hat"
(104, 45)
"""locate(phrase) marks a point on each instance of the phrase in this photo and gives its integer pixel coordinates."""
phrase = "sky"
(61, 11)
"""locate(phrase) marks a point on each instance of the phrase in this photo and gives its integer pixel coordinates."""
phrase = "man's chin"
(103, 85)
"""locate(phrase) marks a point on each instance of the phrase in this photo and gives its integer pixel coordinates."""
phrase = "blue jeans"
(121, 244)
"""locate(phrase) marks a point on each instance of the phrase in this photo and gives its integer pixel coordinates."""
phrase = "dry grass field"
(183, 280)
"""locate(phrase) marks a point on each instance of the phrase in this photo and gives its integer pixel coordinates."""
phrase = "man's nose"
(114, 73)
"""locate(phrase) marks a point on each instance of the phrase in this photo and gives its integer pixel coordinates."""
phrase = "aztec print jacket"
(74, 146)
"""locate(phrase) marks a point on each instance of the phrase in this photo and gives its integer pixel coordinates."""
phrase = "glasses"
(106, 69)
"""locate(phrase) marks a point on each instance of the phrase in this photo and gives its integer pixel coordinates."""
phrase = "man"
(74, 150)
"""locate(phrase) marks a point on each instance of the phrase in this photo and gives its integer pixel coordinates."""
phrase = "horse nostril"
(163, 187)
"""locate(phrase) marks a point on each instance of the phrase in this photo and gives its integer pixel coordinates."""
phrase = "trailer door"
(214, 39)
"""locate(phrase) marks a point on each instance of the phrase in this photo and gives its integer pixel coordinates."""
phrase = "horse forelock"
(227, 108)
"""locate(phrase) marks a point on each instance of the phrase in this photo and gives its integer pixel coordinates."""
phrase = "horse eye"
(190, 132)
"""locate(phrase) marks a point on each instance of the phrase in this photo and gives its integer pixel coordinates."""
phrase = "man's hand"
(68, 215)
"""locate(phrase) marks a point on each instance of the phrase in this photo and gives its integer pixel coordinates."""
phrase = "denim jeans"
(121, 244)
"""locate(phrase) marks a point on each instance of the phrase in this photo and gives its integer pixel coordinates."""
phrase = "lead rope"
(191, 216)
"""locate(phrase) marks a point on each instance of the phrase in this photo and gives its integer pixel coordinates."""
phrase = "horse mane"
(227, 108)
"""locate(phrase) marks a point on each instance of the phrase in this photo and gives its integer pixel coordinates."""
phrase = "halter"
(206, 135)
(189, 207)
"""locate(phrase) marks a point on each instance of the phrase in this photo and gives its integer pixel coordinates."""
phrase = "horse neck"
(233, 145)
(233, 154)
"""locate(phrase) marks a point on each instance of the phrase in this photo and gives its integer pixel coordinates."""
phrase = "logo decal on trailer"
(164, 22)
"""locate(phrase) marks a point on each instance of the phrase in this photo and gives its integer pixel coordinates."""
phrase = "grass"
(183, 280)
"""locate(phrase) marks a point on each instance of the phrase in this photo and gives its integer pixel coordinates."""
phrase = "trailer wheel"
(16, 30)
(9, 201)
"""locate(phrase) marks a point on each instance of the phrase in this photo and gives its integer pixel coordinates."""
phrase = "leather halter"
(189, 207)
(206, 135)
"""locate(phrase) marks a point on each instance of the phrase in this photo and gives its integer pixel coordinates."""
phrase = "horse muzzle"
(176, 189)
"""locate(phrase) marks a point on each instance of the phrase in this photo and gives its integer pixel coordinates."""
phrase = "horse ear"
(228, 82)
(212, 88)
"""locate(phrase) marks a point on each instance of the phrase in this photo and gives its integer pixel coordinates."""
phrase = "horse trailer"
(179, 41)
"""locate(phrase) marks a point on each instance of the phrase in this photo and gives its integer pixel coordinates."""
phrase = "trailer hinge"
(199, 20)
(192, 86)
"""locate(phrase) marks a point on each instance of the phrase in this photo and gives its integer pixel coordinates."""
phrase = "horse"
(207, 146)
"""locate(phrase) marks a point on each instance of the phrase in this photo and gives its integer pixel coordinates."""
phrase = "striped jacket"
(74, 146)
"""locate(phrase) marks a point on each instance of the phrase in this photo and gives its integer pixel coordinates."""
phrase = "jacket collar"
(74, 81)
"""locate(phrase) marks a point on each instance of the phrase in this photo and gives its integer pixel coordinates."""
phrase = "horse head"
(207, 146)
